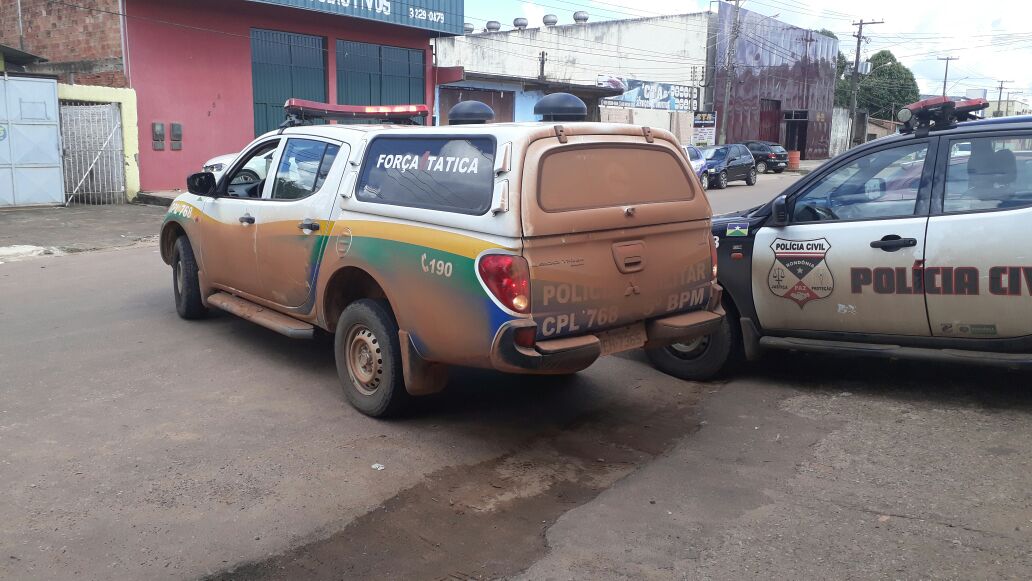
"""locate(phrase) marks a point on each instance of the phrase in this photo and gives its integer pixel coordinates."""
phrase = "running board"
(1009, 360)
(260, 315)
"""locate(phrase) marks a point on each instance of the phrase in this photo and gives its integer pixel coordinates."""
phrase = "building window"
(373, 74)
(284, 65)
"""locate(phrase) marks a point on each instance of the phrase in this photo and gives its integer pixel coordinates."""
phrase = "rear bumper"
(572, 354)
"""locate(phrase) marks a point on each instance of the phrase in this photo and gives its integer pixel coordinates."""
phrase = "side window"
(988, 173)
(247, 179)
(303, 168)
(757, 148)
(435, 173)
(883, 184)
(743, 151)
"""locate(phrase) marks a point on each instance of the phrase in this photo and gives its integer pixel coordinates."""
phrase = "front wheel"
(697, 360)
(186, 287)
(750, 180)
(368, 355)
(705, 182)
(761, 167)
(721, 181)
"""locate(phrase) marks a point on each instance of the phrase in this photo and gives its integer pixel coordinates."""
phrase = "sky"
(992, 38)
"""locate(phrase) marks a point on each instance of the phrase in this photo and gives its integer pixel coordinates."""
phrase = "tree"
(888, 87)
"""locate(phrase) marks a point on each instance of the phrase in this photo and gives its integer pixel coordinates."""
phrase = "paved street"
(738, 196)
(137, 445)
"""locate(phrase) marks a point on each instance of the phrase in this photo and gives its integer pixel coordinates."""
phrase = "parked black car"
(769, 156)
(728, 163)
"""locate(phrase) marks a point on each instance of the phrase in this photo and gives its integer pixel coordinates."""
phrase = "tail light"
(771, 156)
(713, 256)
(526, 336)
(507, 277)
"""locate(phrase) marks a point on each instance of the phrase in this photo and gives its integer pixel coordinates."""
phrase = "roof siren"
(470, 113)
(561, 107)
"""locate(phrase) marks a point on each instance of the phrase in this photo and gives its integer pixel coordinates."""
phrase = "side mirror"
(201, 184)
(779, 214)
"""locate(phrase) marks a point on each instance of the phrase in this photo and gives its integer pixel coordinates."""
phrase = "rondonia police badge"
(800, 272)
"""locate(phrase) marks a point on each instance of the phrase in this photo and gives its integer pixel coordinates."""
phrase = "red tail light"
(771, 156)
(526, 336)
(508, 279)
(713, 256)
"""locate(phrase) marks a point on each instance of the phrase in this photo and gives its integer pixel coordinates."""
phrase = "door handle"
(308, 225)
(247, 219)
(892, 243)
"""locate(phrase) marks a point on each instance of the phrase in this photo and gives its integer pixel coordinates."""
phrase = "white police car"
(912, 246)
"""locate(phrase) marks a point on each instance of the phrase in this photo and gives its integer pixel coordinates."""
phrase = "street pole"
(947, 74)
(21, 28)
(999, 99)
(854, 83)
(728, 68)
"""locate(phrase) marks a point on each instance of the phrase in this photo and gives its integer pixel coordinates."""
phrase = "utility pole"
(999, 99)
(946, 75)
(728, 68)
(854, 83)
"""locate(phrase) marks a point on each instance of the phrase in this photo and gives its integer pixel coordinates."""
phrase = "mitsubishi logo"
(632, 289)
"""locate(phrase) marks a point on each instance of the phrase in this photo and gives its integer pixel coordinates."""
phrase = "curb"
(153, 199)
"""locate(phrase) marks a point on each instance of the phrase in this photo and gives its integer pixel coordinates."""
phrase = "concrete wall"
(839, 142)
(680, 124)
(126, 98)
(83, 42)
(655, 49)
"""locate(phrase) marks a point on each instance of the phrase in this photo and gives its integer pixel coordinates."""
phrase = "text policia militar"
(941, 280)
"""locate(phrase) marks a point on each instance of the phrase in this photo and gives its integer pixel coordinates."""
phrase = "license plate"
(780, 164)
(622, 339)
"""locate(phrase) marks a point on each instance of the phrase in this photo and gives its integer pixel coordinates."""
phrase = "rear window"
(447, 174)
(579, 178)
(693, 154)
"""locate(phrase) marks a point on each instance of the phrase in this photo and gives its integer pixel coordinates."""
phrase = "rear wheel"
(185, 285)
(761, 167)
(368, 355)
(697, 360)
(721, 181)
(750, 179)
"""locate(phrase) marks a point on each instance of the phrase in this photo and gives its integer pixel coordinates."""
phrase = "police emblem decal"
(800, 271)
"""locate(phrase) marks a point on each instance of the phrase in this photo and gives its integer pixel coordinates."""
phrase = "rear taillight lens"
(713, 256)
(508, 279)
(771, 155)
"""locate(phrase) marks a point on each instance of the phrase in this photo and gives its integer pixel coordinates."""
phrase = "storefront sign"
(437, 15)
(704, 128)
(648, 95)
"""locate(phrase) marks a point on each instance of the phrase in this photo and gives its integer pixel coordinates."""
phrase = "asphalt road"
(137, 445)
(738, 196)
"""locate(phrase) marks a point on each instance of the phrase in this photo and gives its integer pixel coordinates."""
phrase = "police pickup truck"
(522, 247)
(916, 245)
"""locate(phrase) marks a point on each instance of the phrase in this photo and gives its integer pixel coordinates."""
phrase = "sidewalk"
(28, 232)
(163, 198)
(808, 165)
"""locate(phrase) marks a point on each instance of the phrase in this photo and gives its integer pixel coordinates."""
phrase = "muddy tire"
(761, 167)
(750, 180)
(368, 355)
(699, 360)
(721, 181)
(185, 285)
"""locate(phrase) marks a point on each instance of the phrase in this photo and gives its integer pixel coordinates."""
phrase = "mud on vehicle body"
(527, 248)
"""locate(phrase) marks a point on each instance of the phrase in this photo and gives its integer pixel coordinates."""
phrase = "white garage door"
(30, 143)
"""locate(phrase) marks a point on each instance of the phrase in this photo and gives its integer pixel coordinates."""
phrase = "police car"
(916, 245)
(529, 248)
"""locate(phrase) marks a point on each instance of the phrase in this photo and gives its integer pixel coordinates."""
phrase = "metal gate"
(94, 163)
(30, 150)
(284, 65)
(770, 120)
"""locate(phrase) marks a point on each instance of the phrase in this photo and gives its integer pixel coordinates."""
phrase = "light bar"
(316, 110)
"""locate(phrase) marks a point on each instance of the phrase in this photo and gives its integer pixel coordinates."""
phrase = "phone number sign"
(437, 15)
